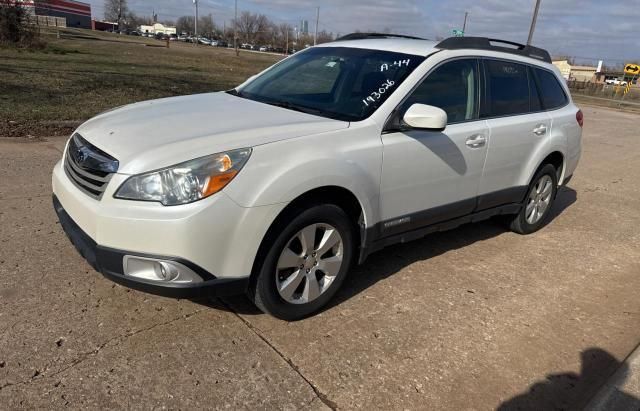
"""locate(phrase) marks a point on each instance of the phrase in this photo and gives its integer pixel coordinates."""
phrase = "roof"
(398, 45)
(423, 47)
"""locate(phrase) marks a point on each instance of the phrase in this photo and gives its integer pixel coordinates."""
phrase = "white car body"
(393, 177)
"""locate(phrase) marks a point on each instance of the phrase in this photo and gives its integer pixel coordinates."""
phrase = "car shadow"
(393, 259)
(571, 391)
(442, 146)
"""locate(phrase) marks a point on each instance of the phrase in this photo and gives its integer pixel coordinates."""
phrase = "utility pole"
(464, 26)
(235, 31)
(315, 37)
(286, 46)
(533, 22)
(196, 22)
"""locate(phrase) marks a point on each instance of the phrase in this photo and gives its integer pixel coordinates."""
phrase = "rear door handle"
(540, 130)
(476, 141)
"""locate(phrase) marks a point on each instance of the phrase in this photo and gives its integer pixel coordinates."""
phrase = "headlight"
(185, 182)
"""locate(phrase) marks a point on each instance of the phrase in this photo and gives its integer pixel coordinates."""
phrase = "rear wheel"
(537, 205)
(306, 263)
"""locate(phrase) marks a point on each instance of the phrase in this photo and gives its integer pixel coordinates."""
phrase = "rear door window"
(507, 89)
(553, 95)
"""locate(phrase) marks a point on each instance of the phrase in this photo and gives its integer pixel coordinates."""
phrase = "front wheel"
(306, 263)
(537, 205)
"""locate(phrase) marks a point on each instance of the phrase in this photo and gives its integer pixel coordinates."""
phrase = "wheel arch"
(557, 160)
(555, 157)
(331, 194)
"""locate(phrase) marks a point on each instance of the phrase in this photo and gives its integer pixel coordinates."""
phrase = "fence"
(608, 91)
(50, 21)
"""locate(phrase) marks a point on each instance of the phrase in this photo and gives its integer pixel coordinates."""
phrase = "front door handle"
(476, 141)
(540, 130)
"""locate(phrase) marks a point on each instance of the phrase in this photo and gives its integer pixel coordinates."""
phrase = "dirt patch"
(36, 129)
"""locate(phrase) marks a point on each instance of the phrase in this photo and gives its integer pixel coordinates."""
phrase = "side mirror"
(424, 117)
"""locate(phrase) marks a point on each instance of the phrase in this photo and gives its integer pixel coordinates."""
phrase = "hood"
(159, 133)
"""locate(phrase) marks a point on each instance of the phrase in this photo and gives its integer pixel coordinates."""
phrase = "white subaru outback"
(276, 187)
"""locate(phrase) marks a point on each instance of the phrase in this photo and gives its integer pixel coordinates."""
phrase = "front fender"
(282, 171)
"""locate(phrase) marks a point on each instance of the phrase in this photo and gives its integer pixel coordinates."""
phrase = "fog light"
(166, 271)
(158, 270)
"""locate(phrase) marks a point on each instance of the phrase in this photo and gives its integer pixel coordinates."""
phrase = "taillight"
(580, 118)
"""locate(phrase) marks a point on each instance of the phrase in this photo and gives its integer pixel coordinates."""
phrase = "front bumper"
(109, 262)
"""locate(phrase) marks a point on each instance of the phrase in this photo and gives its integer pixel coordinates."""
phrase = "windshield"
(337, 82)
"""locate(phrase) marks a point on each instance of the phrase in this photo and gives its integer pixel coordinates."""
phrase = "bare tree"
(15, 25)
(324, 37)
(115, 10)
(249, 24)
(185, 24)
(205, 25)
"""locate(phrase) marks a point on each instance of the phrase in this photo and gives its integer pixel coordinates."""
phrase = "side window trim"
(533, 82)
(486, 93)
(393, 121)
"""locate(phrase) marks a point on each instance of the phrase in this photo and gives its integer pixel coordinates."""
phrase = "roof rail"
(484, 43)
(363, 36)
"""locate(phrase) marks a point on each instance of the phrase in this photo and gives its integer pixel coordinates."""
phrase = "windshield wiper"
(302, 109)
(235, 92)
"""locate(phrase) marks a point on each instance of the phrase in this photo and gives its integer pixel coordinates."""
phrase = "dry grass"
(83, 73)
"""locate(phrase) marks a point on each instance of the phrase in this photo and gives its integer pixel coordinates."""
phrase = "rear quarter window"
(552, 93)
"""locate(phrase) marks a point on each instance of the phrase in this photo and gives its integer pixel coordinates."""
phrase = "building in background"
(76, 13)
(583, 73)
(575, 73)
(304, 26)
(157, 28)
(104, 25)
(564, 67)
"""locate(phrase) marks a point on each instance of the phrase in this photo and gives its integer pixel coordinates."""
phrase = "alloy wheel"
(539, 199)
(309, 263)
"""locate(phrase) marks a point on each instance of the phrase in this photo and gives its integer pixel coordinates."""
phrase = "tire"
(291, 287)
(539, 201)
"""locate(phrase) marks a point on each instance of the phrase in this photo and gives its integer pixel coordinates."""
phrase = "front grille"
(88, 167)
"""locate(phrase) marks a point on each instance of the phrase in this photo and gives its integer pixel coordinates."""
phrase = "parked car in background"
(134, 33)
(222, 43)
(616, 82)
(214, 43)
(264, 48)
(277, 187)
(204, 40)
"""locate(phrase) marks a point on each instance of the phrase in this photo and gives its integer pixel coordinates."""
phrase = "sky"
(587, 30)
